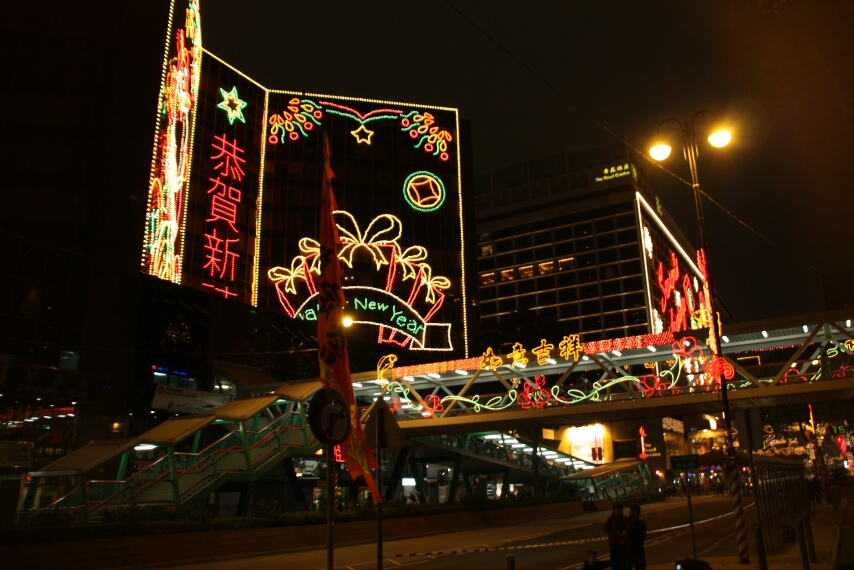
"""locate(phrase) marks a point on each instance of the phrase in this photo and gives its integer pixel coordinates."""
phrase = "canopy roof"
(175, 430)
(602, 470)
(298, 391)
(86, 458)
(242, 409)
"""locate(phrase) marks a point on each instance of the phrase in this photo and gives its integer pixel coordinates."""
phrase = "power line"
(599, 123)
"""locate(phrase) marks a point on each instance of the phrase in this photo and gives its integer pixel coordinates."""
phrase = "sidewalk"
(827, 528)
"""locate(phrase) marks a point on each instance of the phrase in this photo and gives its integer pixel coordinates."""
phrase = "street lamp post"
(690, 152)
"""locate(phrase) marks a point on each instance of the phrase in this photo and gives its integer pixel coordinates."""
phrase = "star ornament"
(232, 105)
(362, 134)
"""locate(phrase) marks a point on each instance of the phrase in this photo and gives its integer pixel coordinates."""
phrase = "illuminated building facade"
(234, 202)
(578, 243)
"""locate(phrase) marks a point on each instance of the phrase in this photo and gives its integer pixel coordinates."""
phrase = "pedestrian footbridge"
(764, 364)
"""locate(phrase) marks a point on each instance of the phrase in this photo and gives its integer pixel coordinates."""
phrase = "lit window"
(526, 271)
(566, 263)
(487, 279)
(486, 250)
(507, 275)
(546, 267)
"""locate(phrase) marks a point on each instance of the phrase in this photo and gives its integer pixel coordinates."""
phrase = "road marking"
(681, 527)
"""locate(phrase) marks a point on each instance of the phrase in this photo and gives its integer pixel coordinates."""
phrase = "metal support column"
(397, 473)
(123, 465)
(455, 479)
(173, 472)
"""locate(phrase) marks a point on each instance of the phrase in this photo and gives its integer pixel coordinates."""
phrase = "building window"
(487, 279)
(526, 271)
(507, 275)
(566, 264)
(485, 250)
(546, 267)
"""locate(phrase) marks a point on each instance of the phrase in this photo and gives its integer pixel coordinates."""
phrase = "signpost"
(329, 422)
(686, 462)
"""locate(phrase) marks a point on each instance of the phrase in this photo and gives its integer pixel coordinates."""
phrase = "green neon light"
(232, 104)
(424, 191)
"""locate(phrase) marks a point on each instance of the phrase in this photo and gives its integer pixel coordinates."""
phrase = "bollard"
(511, 562)
(808, 533)
(760, 549)
(805, 557)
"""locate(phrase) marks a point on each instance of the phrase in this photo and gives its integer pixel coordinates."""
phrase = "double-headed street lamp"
(690, 151)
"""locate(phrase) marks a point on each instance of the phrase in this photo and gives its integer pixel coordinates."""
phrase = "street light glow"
(720, 138)
(660, 151)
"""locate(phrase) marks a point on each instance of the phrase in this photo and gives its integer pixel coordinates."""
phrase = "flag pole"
(330, 490)
(380, 443)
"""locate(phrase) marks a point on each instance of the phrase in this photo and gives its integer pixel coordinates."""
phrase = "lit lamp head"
(660, 151)
(347, 321)
(720, 138)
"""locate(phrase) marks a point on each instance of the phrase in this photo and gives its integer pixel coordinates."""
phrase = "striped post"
(738, 509)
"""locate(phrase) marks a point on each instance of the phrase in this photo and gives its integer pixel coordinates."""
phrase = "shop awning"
(176, 430)
(244, 408)
(298, 391)
(603, 470)
(88, 457)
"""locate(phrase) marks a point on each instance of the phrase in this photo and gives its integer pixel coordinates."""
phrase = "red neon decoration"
(668, 283)
(226, 292)
(433, 404)
(230, 163)
(532, 397)
(840, 443)
(687, 347)
(627, 343)
(716, 367)
(642, 454)
(219, 259)
(651, 385)
(357, 113)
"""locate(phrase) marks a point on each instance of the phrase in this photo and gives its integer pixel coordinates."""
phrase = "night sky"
(782, 80)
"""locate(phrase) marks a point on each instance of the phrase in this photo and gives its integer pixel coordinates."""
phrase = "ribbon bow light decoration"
(384, 230)
(381, 240)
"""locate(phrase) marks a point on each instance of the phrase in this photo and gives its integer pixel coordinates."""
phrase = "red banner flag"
(332, 345)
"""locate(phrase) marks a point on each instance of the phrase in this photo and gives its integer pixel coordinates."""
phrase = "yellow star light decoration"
(362, 134)
(232, 105)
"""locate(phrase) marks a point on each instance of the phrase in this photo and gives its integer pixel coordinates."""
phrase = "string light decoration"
(299, 118)
(362, 135)
(543, 352)
(517, 357)
(385, 364)
(490, 360)
(381, 240)
(534, 396)
(172, 156)
(232, 104)
(167, 213)
(424, 191)
(421, 128)
(570, 347)
(437, 367)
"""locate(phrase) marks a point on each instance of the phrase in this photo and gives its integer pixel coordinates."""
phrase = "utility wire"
(595, 120)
